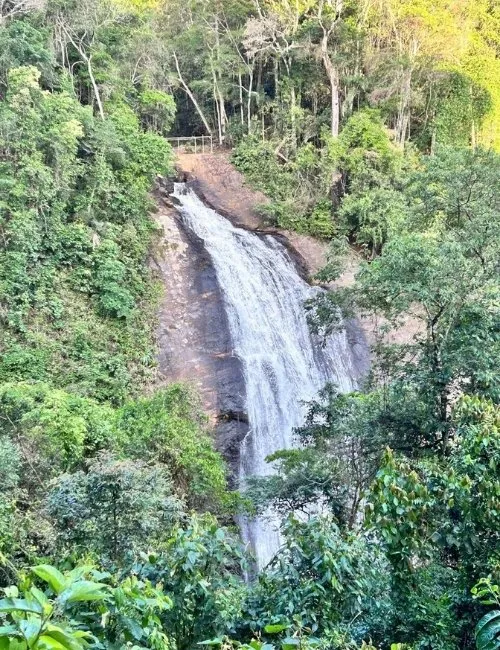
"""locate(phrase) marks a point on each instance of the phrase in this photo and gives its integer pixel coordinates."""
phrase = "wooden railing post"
(179, 142)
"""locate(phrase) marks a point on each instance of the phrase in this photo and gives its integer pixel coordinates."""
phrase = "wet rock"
(193, 333)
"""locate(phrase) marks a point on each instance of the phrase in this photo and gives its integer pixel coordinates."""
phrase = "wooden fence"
(193, 144)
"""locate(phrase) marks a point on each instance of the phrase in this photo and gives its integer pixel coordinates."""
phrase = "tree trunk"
(249, 101)
(87, 59)
(403, 110)
(219, 108)
(188, 92)
(217, 85)
(240, 88)
(335, 107)
(333, 78)
(292, 116)
(223, 116)
(95, 87)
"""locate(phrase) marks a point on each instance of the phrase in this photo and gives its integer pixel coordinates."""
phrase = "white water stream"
(283, 363)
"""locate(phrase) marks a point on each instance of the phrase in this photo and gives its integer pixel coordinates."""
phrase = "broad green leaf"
(78, 572)
(46, 642)
(9, 605)
(134, 628)
(8, 630)
(62, 637)
(52, 576)
(276, 628)
(31, 629)
(42, 599)
(488, 631)
(84, 590)
(216, 641)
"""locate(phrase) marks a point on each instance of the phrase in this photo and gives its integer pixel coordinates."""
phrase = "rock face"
(223, 188)
(193, 335)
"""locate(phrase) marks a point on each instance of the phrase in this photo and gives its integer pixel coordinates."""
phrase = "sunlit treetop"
(138, 5)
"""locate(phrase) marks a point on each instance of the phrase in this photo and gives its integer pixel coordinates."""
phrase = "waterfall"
(284, 365)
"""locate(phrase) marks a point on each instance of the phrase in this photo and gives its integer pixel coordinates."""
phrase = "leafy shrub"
(78, 609)
(201, 567)
(169, 428)
(76, 235)
(114, 508)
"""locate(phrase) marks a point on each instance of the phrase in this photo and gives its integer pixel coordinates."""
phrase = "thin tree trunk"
(333, 78)
(403, 111)
(219, 107)
(188, 92)
(217, 88)
(87, 59)
(95, 88)
(335, 107)
(292, 116)
(240, 86)
(223, 115)
(249, 101)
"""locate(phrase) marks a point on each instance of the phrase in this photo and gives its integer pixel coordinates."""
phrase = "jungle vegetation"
(371, 124)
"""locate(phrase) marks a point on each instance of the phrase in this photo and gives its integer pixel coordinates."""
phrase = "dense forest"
(373, 125)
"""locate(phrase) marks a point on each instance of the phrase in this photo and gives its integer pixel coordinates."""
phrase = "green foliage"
(113, 509)
(35, 620)
(157, 110)
(168, 428)
(364, 150)
(321, 577)
(460, 103)
(75, 239)
(337, 452)
(61, 426)
(400, 509)
(199, 568)
(452, 504)
(22, 43)
(79, 609)
(298, 200)
(127, 472)
(390, 543)
(487, 630)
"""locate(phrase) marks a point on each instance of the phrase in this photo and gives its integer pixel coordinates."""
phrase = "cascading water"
(284, 365)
